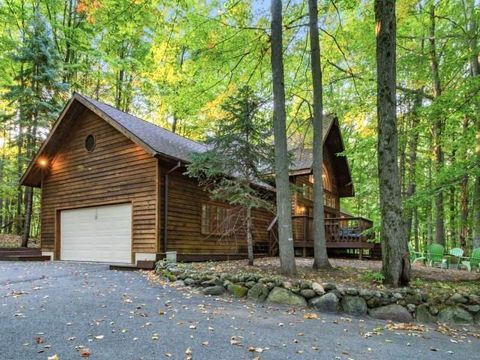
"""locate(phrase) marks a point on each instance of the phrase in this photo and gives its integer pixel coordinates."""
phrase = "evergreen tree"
(239, 149)
(37, 96)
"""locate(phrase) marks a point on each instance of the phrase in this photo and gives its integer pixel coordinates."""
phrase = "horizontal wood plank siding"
(117, 171)
(184, 220)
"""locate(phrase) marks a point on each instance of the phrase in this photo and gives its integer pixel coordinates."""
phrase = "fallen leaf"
(310, 316)
(84, 352)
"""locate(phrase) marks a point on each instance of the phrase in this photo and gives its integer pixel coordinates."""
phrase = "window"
(216, 220)
(307, 191)
(90, 143)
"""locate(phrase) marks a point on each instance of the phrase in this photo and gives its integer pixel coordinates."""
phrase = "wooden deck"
(344, 232)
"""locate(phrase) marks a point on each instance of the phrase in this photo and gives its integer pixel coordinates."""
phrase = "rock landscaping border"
(400, 305)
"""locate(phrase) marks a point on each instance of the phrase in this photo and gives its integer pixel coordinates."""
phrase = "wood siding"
(184, 220)
(116, 171)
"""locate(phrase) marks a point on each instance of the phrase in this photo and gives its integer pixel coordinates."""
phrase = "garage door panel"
(97, 234)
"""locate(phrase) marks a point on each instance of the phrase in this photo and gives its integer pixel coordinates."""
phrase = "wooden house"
(114, 190)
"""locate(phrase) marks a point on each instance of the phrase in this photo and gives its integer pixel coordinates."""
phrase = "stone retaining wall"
(401, 305)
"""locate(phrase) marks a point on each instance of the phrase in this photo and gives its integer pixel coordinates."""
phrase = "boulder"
(318, 288)
(476, 318)
(423, 315)
(366, 294)
(308, 293)
(329, 286)
(354, 305)
(474, 299)
(325, 303)
(250, 284)
(473, 308)
(411, 307)
(392, 312)
(455, 315)
(458, 299)
(258, 292)
(213, 290)
(280, 295)
(212, 282)
(237, 291)
(351, 291)
(178, 283)
(415, 299)
(189, 282)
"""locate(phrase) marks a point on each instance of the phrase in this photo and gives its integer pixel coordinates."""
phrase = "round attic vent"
(90, 143)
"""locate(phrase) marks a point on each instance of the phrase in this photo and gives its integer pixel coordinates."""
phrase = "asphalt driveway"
(65, 308)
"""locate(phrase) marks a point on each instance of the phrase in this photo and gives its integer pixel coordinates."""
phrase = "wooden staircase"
(22, 254)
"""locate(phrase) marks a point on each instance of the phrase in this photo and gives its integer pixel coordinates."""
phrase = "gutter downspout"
(165, 209)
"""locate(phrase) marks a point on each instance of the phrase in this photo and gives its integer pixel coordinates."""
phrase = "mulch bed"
(10, 241)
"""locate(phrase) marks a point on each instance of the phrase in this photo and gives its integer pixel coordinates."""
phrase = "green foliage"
(176, 64)
(375, 277)
(240, 153)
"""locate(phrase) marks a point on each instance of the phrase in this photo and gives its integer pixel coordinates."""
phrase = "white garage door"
(102, 233)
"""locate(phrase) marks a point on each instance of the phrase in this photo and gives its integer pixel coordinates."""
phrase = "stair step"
(25, 258)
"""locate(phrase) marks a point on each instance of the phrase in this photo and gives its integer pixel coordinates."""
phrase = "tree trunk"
(437, 133)
(396, 264)
(429, 210)
(452, 216)
(412, 168)
(464, 212)
(28, 216)
(475, 72)
(249, 236)
(284, 205)
(415, 229)
(319, 241)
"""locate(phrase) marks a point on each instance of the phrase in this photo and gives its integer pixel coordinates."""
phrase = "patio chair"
(473, 260)
(435, 254)
(456, 253)
(415, 255)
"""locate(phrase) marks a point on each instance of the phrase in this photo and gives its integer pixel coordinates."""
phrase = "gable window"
(90, 143)
(216, 220)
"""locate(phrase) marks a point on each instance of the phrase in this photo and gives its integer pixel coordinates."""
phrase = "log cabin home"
(113, 190)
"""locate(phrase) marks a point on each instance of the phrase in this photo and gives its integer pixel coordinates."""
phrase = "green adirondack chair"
(473, 260)
(435, 254)
(415, 255)
(456, 253)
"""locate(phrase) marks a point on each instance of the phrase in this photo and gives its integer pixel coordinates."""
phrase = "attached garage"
(102, 233)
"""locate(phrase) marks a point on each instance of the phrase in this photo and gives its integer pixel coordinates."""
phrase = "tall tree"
(396, 265)
(475, 73)
(437, 130)
(319, 241)
(36, 95)
(241, 148)
(284, 204)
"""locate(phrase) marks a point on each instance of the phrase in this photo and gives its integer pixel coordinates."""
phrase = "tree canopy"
(176, 64)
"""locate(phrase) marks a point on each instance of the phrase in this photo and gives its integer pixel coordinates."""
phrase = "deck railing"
(345, 232)
(340, 232)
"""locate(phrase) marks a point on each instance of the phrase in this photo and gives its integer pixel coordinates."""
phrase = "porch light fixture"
(43, 162)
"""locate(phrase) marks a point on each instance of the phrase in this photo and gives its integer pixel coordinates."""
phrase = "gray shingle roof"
(303, 156)
(157, 138)
(170, 144)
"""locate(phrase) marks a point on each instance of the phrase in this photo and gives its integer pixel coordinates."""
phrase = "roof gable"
(158, 141)
(332, 139)
(152, 138)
